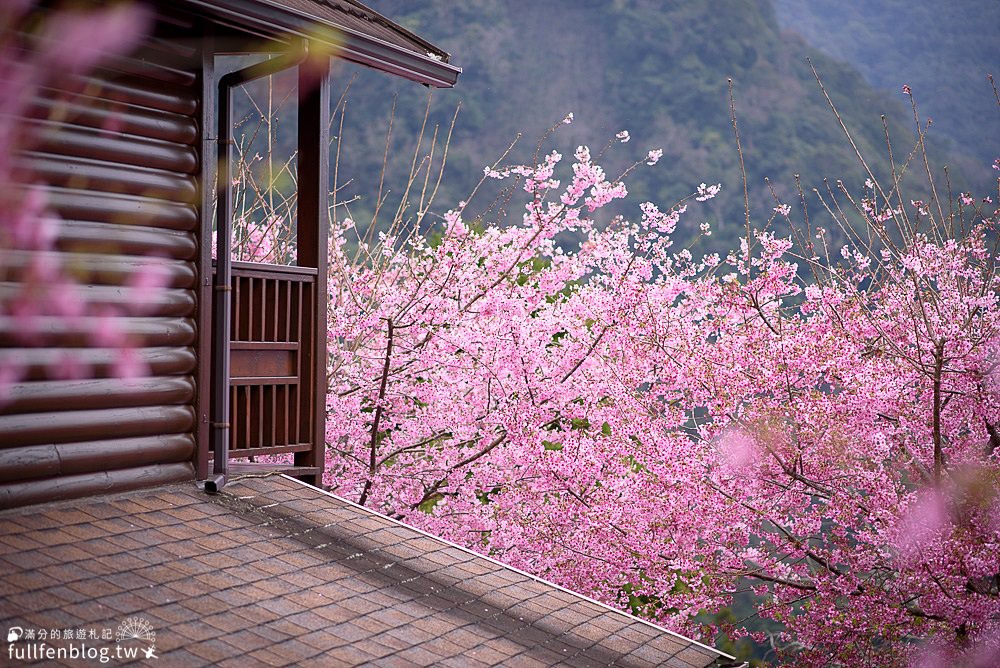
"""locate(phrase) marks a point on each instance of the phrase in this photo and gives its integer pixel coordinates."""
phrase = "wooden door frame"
(312, 235)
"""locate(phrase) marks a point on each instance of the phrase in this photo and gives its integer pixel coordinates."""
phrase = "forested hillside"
(657, 69)
(944, 56)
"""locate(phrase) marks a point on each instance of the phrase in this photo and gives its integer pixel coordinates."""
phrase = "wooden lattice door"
(271, 363)
(265, 388)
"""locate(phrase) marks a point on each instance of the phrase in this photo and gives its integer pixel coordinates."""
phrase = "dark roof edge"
(350, 45)
(726, 659)
(389, 23)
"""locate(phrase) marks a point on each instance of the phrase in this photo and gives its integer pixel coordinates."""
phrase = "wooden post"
(312, 234)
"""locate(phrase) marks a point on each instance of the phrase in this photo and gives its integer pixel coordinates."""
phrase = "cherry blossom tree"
(574, 396)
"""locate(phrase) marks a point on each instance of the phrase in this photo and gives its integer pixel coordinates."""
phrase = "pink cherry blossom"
(614, 413)
(706, 192)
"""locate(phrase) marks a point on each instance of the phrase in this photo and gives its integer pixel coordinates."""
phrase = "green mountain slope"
(658, 69)
(943, 52)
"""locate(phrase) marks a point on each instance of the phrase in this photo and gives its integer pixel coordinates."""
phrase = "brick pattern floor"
(273, 572)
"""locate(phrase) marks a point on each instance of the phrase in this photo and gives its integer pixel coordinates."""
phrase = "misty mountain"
(942, 51)
(658, 69)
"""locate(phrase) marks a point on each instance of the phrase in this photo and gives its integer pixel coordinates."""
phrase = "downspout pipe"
(222, 283)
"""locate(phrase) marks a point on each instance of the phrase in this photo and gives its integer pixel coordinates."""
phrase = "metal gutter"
(222, 284)
(347, 43)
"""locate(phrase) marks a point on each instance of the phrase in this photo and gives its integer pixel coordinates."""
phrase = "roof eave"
(349, 44)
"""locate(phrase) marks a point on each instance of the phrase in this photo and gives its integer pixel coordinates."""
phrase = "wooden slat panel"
(80, 173)
(55, 395)
(285, 307)
(158, 303)
(70, 487)
(259, 311)
(284, 392)
(262, 363)
(235, 306)
(267, 409)
(306, 358)
(43, 363)
(40, 461)
(90, 425)
(244, 416)
(97, 237)
(98, 268)
(57, 330)
(300, 308)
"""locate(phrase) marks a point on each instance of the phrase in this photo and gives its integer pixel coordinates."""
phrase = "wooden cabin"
(130, 155)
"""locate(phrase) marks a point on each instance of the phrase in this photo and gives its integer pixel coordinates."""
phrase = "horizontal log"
(48, 363)
(156, 59)
(77, 426)
(60, 139)
(41, 461)
(159, 303)
(97, 268)
(83, 174)
(88, 330)
(175, 99)
(121, 209)
(96, 237)
(95, 113)
(28, 492)
(90, 394)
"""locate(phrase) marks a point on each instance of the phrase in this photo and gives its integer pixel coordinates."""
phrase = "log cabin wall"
(119, 151)
(128, 157)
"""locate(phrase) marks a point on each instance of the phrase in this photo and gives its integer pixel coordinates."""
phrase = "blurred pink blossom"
(922, 524)
(738, 451)
(76, 41)
(145, 285)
